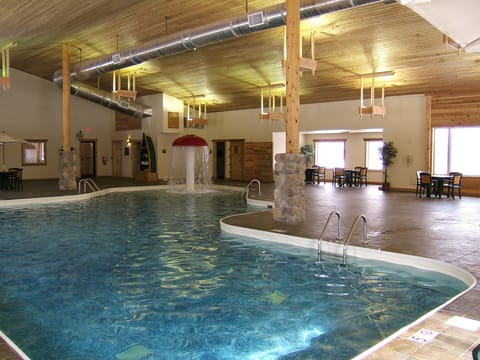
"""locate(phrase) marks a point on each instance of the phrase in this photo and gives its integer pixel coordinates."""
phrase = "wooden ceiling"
(371, 38)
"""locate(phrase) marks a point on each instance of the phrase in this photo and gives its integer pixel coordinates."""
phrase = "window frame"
(27, 146)
(449, 143)
(340, 140)
(368, 149)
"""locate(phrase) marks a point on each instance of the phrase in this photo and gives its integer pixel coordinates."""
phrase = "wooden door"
(135, 149)
(87, 158)
(237, 159)
(117, 151)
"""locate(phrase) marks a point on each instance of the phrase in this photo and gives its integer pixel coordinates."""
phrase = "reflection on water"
(147, 275)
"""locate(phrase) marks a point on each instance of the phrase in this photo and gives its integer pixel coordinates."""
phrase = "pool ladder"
(247, 188)
(87, 182)
(339, 237)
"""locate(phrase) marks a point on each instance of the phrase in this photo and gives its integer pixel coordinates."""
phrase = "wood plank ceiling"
(371, 38)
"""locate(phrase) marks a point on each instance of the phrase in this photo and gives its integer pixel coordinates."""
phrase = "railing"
(247, 188)
(87, 182)
(324, 230)
(347, 239)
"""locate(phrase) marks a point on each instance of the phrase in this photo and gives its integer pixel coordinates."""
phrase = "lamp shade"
(189, 140)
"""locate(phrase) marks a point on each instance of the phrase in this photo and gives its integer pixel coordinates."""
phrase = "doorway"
(135, 150)
(219, 151)
(117, 164)
(237, 159)
(88, 156)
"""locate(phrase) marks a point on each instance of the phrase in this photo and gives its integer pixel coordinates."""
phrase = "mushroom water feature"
(189, 169)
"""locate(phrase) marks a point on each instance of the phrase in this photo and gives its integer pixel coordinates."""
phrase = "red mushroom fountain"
(189, 171)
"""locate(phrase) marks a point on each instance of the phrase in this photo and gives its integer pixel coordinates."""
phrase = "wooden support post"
(67, 165)
(67, 144)
(292, 67)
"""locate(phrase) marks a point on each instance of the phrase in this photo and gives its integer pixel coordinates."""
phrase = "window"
(456, 149)
(372, 155)
(34, 152)
(330, 153)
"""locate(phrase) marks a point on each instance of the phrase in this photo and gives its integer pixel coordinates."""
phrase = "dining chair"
(11, 179)
(19, 179)
(319, 173)
(361, 177)
(455, 183)
(425, 184)
(15, 179)
(338, 177)
(355, 175)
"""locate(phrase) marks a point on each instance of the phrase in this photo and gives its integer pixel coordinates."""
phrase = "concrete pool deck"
(442, 229)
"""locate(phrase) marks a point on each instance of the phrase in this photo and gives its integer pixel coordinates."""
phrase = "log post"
(290, 167)
(67, 161)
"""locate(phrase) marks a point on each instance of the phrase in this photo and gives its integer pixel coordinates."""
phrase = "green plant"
(307, 150)
(388, 153)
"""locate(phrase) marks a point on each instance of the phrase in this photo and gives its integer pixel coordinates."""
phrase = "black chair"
(361, 177)
(356, 174)
(15, 180)
(455, 183)
(319, 173)
(425, 184)
(309, 176)
(339, 177)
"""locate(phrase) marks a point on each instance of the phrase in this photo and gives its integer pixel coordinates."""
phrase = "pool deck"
(442, 229)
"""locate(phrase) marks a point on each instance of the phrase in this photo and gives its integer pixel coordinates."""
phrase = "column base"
(67, 169)
(290, 188)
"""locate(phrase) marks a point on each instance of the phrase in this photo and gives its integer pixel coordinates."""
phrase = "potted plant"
(387, 152)
(307, 150)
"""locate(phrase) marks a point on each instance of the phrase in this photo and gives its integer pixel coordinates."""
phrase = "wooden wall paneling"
(231, 71)
(455, 111)
(258, 161)
(125, 122)
(461, 110)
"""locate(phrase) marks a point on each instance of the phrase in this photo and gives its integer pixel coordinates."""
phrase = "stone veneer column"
(289, 188)
(67, 170)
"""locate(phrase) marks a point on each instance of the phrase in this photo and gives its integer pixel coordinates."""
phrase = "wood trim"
(429, 136)
(292, 70)
(455, 111)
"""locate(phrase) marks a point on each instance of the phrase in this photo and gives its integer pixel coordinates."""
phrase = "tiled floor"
(443, 229)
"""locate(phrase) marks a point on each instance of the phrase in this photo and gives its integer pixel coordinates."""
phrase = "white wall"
(404, 124)
(32, 108)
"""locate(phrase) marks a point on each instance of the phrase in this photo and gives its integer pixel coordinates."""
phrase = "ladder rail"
(247, 188)
(324, 230)
(349, 236)
(87, 182)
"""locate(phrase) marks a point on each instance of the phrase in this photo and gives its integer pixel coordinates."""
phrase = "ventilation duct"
(274, 16)
(105, 98)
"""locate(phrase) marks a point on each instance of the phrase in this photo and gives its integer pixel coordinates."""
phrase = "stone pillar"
(67, 170)
(289, 188)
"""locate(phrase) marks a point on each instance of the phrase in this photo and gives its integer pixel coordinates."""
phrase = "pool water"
(149, 275)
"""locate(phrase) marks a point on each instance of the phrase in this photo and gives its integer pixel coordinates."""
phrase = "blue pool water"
(148, 275)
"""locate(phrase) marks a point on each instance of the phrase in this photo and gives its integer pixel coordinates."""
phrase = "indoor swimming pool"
(149, 275)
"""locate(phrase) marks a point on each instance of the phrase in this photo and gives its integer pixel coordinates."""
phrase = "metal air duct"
(273, 16)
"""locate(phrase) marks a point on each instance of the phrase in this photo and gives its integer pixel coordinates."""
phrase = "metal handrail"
(324, 230)
(87, 182)
(247, 188)
(347, 239)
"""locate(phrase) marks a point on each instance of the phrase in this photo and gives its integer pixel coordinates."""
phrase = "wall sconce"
(129, 140)
(79, 135)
